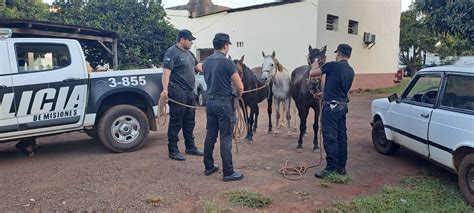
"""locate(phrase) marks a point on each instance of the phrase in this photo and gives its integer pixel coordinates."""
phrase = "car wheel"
(201, 99)
(123, 128)
(466, 178)
(380, 141)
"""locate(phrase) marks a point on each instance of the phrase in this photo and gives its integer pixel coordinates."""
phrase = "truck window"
(459, 92)
(37, 57)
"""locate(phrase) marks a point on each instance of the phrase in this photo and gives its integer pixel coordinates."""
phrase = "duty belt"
(334, 103)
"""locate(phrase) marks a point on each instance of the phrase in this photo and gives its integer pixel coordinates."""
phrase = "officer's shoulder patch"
(167, 59)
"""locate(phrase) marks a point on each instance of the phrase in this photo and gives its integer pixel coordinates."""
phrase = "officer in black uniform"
(220, 74)
(339, 77)
(178, 84)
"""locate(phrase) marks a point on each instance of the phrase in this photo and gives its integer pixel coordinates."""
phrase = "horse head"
(319, 55)
(270, 66)
(240, 66)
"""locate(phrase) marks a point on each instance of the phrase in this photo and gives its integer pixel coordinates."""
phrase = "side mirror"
(393, 97)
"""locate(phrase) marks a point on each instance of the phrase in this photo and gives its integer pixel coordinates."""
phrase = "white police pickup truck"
(434, 117)
(45, 89)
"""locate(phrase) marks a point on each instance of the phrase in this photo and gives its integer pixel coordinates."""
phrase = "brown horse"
(259, 92)
(304, 91)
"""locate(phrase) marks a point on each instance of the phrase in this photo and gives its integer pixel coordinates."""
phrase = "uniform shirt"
(181, 63)
(339, 77)
(217, 74)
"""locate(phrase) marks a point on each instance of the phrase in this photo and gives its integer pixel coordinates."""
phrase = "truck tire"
(123, 128)
(381, 144)
(466, 178)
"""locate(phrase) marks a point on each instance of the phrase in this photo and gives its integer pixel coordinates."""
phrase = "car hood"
(381, 103)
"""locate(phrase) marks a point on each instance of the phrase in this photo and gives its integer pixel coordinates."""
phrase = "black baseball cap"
(186, 34)
(222, 37)
(344, 49)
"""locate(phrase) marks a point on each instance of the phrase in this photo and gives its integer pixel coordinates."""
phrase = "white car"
(200, 89)
(434, 117)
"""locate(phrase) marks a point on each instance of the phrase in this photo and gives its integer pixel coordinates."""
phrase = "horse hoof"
(276, 134)
(316, 150)
(250, 141)
(289, 135)
(299, 150)
(254, 131)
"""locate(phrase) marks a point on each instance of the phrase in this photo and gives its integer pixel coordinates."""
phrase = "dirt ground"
(74, 172)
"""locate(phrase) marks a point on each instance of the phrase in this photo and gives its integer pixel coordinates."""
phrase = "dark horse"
(304, 91)
(251, 99)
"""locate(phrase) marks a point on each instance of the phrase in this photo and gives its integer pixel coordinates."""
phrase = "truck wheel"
(201, 100)
(381, 144)
(123, 128)
(466, 178)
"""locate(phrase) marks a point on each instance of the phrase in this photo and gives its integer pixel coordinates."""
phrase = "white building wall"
(288, 29)
(379, 17)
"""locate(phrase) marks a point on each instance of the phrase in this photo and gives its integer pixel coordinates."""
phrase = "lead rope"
(296, 173)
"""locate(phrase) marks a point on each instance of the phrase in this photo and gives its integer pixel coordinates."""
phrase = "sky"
(240, 3)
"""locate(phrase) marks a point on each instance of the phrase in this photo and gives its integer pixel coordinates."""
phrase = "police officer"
(220, 74)
(339, 77)
(178, 84)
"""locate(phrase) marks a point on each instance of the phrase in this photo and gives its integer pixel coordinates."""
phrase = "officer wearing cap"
(221, 75)
(339, 77)
(178, 83)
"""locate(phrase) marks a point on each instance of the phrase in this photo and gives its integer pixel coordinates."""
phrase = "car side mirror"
(393, 97)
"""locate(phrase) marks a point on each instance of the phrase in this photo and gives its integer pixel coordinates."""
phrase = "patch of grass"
(213, 207)
(390, 90)
(337, 178)
(248, 199)
(420, 193)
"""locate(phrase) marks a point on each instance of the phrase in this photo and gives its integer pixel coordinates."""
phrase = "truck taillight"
(5, 33)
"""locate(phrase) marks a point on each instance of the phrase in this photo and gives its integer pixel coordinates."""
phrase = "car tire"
(123, 128)
(466, 178)
(381, 144)
(201, 99)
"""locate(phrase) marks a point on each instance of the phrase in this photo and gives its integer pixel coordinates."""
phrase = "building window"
(353, 27)
(331, 22)
(240, 44)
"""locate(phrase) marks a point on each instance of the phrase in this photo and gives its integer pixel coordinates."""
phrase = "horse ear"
(324, 49)
(273, 54)
(310, 48)
(263, 54)
(242, 59)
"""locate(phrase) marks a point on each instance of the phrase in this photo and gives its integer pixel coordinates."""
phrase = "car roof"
(466, 68)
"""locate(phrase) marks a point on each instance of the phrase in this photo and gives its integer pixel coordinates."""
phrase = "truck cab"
(45, 89)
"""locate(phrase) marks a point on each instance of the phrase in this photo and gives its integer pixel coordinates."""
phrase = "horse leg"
(282, 122)
(294, 111)
(249, 126)
(316, 128)
(257, 111)
(277, 109)
(303, 114)
(269, 111)
(288, 116)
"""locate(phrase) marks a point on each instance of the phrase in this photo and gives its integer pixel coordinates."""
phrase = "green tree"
(415, 41)
(453, 21)
(144, 31)
(20, 9)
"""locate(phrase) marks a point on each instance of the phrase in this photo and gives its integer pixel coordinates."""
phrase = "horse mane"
(279, 66)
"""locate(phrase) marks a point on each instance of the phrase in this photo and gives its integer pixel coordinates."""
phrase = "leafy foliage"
(145, 33)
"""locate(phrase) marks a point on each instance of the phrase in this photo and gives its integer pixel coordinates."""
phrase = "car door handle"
(69, 80)
(425, 115)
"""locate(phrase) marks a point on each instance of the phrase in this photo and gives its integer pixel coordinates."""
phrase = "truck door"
(8, 121)
(50, 84)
